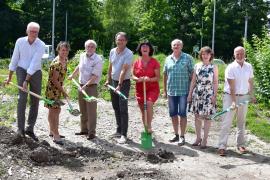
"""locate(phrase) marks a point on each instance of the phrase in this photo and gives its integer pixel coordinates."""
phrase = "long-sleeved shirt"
(27, 56)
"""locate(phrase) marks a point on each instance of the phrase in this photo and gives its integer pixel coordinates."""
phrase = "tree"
(230, 17)
(154, 23)
(11, 27)
(82, 20)
(117, 17)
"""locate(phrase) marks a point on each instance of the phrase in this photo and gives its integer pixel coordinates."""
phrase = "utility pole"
(246, 26)
(214, 23)
(53, 18)
(66, 25)
(202, 33)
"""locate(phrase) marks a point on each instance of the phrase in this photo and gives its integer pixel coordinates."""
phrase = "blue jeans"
(177, 105)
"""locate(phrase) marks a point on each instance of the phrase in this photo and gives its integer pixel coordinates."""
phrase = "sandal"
(197, 142)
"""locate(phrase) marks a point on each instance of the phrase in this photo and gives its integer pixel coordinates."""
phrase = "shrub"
(259, 56)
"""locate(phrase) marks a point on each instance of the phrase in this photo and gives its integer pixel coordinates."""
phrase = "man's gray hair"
(90, 41)
(177, 41)
(238, 48)
(32, 24)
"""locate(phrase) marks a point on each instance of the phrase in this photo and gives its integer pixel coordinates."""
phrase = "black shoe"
(181, 141)
(81, 133)
(31, 135)
(59, 142)
(20, 133)
(61, 136)
(91, 136)
(175, 139)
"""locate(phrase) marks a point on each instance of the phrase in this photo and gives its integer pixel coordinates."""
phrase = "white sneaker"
(122, 140)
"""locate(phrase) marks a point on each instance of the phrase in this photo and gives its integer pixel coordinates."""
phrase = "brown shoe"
(91, 136)
(242, 150)
(222, 152)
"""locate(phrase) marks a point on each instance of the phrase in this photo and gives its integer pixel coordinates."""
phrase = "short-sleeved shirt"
(52, 92)
(241, 75)
(118, 60)
(89, 66)
(152, 88)
(178, 73)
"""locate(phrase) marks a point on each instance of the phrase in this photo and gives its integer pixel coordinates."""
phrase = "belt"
(236, 94)
(88, 85)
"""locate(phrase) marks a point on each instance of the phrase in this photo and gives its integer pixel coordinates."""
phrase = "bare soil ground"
(103, 158)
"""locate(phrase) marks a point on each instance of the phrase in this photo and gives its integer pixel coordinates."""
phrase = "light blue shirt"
(118, 60)
(27, 56)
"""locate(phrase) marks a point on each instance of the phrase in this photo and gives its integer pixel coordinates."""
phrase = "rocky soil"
(103, 158)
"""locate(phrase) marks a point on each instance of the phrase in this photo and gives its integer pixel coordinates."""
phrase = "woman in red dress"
(147, 69)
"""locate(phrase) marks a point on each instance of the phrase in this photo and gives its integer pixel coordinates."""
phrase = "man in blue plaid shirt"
(178, 69)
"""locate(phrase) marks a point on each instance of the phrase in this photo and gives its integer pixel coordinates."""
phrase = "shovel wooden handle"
(145, 107)
(78, 85)
(117, 92)
(27, 91)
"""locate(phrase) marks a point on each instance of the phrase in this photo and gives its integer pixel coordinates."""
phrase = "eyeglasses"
(90, 46)
(34, 32)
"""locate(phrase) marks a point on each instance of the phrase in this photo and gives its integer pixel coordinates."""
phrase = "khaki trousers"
(228, 118)
(88, 110)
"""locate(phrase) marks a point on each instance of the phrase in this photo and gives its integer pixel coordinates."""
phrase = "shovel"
(227, 110)
(47, 101)
(71, 110)
(86, 97)
(146, 137)
(117, 92)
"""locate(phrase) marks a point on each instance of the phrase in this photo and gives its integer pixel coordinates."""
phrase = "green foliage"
(2, 170)
(10, 29)
(117, 17)
(82, 20)
(154, 23)
(258, 121)
(7, 110)
(259, 57)
(159, 21)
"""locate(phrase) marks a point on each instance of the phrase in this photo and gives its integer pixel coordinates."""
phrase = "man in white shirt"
(119, 74)
(238, 88)
(90, 71)
(26, 61)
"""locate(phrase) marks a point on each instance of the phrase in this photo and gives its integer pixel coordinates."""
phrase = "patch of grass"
(258, 123)
(2, 169)
(7, 110)
(190, 129)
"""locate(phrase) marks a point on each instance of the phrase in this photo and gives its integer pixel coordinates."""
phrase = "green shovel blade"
(90, 99)
(146, 140)
(47, 101)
